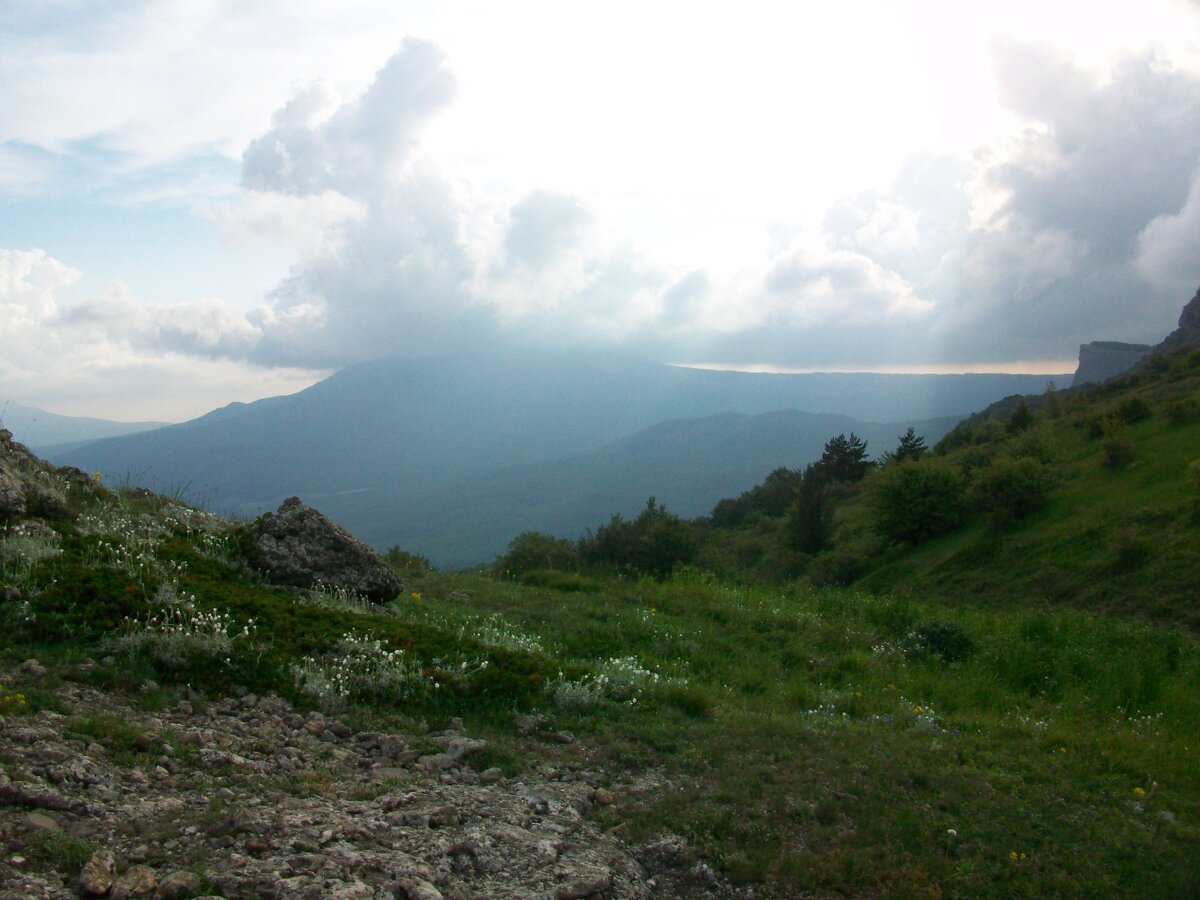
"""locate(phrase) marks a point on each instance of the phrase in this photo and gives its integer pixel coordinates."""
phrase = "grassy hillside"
(1088, 497)
(1120, 528)
(1010, 710)
(829, 741)
(832, 741)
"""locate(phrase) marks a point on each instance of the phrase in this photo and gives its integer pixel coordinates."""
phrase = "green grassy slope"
(1122, 539)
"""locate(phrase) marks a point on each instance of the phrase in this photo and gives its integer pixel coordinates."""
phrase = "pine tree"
(1020, 420)
(911, 446)
(810, 520)
(845, 459)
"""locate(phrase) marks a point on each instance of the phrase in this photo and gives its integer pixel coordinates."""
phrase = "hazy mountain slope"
(43, 431)
(381, 433)
(687, 464)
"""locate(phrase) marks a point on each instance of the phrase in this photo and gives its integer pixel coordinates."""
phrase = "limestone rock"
(300, 547)
(138, 881)
(342, 829)
(1188, 333)
(99, 874)
(178, 885)
(417, 889)
(583, 882)
(1102, 360)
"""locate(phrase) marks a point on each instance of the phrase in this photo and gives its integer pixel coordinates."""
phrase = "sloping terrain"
(1119, 528)
(376, 436)
(688, 464)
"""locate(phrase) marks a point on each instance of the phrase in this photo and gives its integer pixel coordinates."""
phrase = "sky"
(207, 201)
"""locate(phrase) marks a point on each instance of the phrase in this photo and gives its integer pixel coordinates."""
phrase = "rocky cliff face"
(1187, 335)
(1102, 360)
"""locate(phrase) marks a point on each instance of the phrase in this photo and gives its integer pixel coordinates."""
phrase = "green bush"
(533, 550)
(1133, 410)
(1020, 420)
(561, 581)
(653, 544)
(840, 565)
(937, 637)
(1012, 488)
(917, 500)
(404, 563)
(1116, 450)
(1129, 549)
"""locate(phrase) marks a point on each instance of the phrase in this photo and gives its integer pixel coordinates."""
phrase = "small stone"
(443, 817)
(178, 885)
(225, 793)
(490, 776)
(138, 881)
(99, 874)
(547, 853)
(40, 822)
(586, 881)
(417, 889)
(436, 762)
(392, 746)
(528, 725)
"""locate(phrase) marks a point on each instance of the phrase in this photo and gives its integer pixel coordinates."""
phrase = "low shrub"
(946, 640)
(917, 500)
(1010, 489)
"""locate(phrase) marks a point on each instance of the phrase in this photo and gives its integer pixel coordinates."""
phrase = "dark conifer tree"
(911, 446)
(845, 459)
(810, 520)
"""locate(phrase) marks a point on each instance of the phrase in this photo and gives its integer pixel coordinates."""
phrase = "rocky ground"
(246, 797)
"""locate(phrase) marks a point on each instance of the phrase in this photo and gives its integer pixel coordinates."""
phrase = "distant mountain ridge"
(383, 433)
(687, 464)
(42, 430)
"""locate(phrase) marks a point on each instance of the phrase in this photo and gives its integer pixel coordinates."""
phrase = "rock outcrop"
(265, 801)
(1187, 335)
(1102, 360)
(300, 547)
(32, 487)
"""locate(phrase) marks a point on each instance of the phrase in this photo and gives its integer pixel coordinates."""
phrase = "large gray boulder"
(299, 547)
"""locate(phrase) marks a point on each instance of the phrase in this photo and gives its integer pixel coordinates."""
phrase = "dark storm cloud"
(1113, 156)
